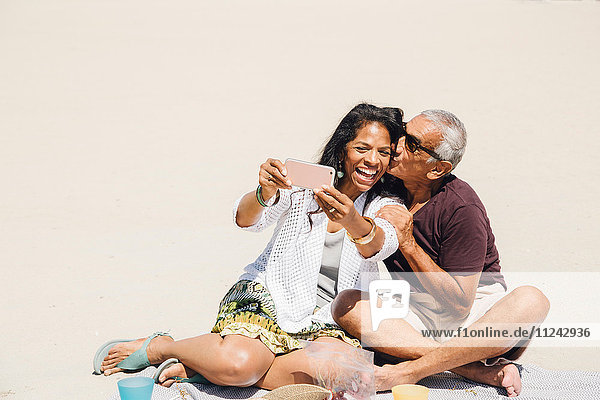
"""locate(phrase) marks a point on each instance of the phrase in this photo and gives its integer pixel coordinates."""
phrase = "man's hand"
(402, 220)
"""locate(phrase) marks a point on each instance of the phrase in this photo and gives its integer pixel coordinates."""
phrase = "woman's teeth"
(367, 173)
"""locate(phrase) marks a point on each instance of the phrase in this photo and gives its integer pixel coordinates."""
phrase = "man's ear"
(440, 168)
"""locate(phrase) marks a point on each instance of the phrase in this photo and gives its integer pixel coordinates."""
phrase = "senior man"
(446, 243)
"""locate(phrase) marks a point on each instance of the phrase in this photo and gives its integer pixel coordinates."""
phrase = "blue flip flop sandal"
(194, 379)
(138, 360)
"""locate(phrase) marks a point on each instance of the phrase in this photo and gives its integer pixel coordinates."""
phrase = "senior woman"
(323, 239)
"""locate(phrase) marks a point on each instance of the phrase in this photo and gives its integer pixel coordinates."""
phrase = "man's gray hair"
(454, 135)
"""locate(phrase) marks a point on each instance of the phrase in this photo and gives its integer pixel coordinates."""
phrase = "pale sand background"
(128, 128)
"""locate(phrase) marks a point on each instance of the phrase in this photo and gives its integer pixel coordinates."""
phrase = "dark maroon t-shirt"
(454, 230)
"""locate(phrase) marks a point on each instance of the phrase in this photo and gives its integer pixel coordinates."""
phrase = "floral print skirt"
(248, 309)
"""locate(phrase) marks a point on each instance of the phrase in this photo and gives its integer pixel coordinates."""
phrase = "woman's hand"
(272, 177)
(337, 206)
(340, 208)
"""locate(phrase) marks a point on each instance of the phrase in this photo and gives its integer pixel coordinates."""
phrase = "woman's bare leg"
(234, 360)
(293, 367)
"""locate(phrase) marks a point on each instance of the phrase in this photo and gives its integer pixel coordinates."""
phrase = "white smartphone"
(308, 175)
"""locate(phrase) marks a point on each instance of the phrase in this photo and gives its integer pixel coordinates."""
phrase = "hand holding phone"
(272, 177)
(309, 175)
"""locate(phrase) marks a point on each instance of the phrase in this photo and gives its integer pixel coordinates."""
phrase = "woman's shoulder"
(374, 203)
(382, 199)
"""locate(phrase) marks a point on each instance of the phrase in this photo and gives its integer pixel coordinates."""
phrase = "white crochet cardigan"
(289, 265)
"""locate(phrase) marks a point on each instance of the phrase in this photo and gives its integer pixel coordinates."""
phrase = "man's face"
(410, 166)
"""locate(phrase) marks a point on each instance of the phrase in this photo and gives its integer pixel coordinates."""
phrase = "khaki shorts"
(428, 314)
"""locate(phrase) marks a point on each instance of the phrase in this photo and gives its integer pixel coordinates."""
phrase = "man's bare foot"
(391, 375)
(510, 379)
(121, 351)
(505, 376)
(178, 370)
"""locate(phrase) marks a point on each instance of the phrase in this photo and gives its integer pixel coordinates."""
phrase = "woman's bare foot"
(178, 370)
(505, 376)
(121, 351)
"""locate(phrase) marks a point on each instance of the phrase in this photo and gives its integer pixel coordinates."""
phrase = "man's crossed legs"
(524, 306)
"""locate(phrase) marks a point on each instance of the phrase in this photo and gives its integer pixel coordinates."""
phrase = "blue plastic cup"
(136, 388)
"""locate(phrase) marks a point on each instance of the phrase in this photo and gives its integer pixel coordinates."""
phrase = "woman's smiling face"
(366, 159)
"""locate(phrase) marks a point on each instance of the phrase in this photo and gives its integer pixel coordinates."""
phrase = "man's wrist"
(408, 246)
(407, 370)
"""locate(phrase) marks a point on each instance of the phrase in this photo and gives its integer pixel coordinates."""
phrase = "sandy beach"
(129, 128)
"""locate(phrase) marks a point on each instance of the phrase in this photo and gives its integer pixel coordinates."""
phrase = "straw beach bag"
(298, 392)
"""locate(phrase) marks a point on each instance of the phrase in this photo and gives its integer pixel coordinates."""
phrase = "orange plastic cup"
(410, 392)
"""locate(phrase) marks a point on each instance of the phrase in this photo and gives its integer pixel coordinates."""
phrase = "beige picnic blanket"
(538, 384)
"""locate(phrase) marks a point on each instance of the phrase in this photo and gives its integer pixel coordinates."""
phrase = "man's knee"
(345, 308)
(532, 298)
